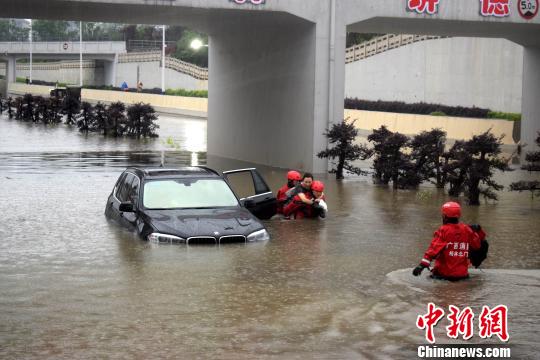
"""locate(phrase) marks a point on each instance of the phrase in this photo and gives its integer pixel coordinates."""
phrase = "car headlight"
(164, 238)
(259, 235)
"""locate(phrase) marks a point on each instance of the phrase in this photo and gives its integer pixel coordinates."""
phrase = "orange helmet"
(294, 175)
(317, 186)
(451, 209)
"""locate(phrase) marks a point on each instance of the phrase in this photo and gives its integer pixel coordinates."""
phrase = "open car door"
(253, 192)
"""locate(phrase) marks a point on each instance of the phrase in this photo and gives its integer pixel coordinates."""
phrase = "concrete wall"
(453, 71)
(150, 75)
(456, 127)
(91, 76)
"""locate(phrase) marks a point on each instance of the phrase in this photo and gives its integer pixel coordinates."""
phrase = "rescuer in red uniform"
(307, 204)
(293, 177)
(451, 245)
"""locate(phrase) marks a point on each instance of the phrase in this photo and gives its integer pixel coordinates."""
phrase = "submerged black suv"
(192, 204)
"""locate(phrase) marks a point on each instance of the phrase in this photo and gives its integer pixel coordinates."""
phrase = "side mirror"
(249, 203)
(126, 207)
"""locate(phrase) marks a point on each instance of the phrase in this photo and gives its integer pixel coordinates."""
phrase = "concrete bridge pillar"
(530, 105)
(110, 71)
(274, 87)
(11, 69)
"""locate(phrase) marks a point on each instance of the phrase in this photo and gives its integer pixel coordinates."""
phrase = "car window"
(242, 184)
(119, 185)
(187, 193)
(133, 196)
(125, 189)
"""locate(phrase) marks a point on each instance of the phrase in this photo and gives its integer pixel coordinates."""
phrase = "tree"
(48, 30)
(86, 118)
(472, 165)
(100, 119)
(427, 153)
(11, 31)
(391, 162)
(116, 118)
(532, 186)
(358, 38)
(343, 135)
(141, 121)
(71, 108)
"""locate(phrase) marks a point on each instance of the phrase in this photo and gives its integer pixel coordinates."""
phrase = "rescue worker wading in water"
(293, 177)
(451, 246)
(307, 204)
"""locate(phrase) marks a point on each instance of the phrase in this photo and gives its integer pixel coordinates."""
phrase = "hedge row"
(420, 108)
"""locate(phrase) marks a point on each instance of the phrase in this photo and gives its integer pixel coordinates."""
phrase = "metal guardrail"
(170, 63)
(381, 44)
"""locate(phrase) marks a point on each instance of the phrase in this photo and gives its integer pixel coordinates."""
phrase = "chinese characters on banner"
(423, 6)
(497, 8)
(254, 2)
(490, 323)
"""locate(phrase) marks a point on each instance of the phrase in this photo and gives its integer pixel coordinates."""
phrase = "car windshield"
(187, 193)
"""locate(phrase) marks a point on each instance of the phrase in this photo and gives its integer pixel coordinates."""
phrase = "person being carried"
(307, 204)
(451, 246)
(293, 177)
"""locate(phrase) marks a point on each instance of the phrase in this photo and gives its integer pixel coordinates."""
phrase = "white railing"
(381, 44)
(170, 63)
(54, 65)
(63, 47)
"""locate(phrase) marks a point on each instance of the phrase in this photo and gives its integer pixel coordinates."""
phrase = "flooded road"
(73, 285)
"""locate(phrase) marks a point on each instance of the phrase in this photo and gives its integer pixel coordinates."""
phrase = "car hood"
(204, 222)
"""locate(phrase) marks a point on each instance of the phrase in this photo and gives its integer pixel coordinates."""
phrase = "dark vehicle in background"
(193, 205)
(63, 92)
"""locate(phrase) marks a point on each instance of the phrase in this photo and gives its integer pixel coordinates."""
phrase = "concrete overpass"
(106, 51)
(276, 67)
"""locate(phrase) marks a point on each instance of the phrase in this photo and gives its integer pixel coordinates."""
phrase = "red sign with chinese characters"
(430, 7)
(497, 8)
(254, 2)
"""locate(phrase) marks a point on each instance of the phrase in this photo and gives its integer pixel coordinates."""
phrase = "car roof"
(183, 172)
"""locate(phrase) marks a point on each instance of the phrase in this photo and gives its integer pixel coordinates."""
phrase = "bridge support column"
(530, 104)
(109, 69)
(11, 69)
(274, 87)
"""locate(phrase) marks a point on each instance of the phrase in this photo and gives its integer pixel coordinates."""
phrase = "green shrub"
(438, 113)
(504, 116)
(188, 93)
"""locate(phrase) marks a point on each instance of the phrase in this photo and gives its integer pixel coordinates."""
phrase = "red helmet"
(317, 186)
(451, 209)
(294, 175)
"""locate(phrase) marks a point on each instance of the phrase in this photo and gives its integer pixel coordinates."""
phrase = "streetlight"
(163, 62)
(196, 44)
(30, 35)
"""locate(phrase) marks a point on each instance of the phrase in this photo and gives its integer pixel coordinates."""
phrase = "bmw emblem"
(216, 233)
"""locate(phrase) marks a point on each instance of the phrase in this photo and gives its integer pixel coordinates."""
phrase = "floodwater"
(73, 285)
